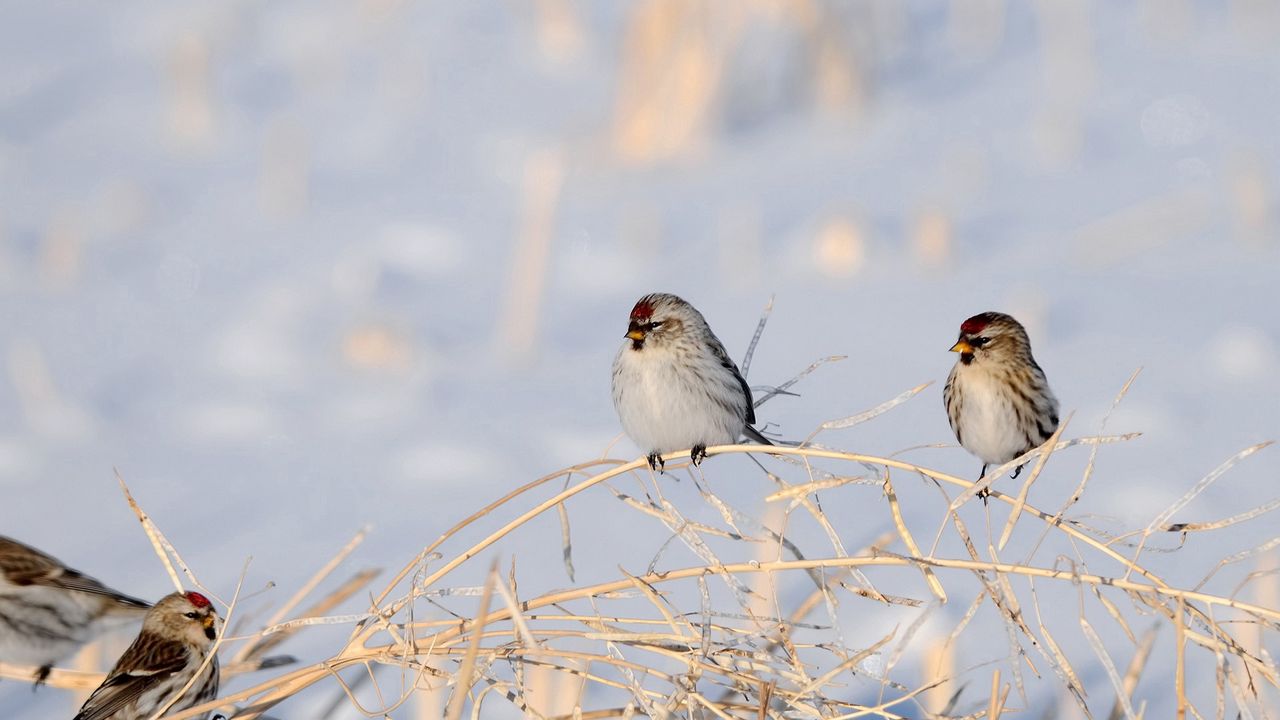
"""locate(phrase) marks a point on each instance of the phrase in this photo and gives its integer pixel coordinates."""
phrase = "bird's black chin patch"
(209, 633)
(966, 358)
(637, 344)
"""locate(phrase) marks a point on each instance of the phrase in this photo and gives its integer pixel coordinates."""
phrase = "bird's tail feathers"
(755, 435)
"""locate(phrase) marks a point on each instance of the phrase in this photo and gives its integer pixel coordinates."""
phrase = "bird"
(675, 387)
(177, 637)
(48, 610)
(998, 399)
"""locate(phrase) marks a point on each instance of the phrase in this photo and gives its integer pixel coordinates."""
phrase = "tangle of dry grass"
(728, 636)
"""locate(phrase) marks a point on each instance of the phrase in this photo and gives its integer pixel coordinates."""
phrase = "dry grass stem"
(711, 625)
(158, 541)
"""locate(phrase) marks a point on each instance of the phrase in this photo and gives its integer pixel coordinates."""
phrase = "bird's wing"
(24, 565)
(750, 418)
(76, 580)
(727, 363)
(150, 662)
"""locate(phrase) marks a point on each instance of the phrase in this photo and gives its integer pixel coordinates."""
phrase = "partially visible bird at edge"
(48, 610)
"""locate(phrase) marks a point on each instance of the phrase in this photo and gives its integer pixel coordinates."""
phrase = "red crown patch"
(975, 324)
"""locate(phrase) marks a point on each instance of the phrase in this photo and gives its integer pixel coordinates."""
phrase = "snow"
(259, 258)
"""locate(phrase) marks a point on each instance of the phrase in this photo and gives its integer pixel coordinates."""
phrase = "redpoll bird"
(997, 397)
(177, 636)
(674, 386)
(48, 610)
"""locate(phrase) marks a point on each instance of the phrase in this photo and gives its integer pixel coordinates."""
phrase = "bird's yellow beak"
(208, 621)
(962, 347)
(635, 334)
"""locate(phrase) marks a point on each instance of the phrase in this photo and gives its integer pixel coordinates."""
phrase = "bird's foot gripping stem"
(656, 462)
(698, 454)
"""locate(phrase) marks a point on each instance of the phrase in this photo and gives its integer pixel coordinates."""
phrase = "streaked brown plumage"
(997, 397)
(48, 610)
(176, 638)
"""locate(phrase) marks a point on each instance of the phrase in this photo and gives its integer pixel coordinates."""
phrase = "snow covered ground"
(294, 268)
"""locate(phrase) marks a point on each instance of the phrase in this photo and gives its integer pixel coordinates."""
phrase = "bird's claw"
(985, 492)
(698, 454)
(656, 462)
(42, 674)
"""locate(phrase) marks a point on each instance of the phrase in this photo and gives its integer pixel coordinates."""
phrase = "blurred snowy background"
(297, 267)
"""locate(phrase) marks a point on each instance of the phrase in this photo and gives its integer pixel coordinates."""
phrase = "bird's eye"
(655, 323)
(979, 341)
(191, 615)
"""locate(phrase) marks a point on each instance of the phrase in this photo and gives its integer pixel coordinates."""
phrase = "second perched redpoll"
(674, 386)
(177, 636)
(997, 397)
(48, 610)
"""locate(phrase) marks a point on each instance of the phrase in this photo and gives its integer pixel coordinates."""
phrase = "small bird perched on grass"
(674, 386)
(998, 399)
(177, 636)
(48, 610)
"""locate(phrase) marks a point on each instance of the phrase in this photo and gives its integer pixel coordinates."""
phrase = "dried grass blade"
(426, 552)
(467, 671)
(320, 607)
(1180, 667)
(311, 584)
(1015, 514)
(973, 488)
(704, 596)
(311, 620)
(656, 601)
(1088, 468)
(1096, 643)
(57, 677)
(993, 701)
(1239, 693)
(1074, 685)
(158, 541)
(797, 378)
(1162, 519)
(686, 532)
(866, 415)
(853, 660)
(1058, 659)
(1114, 612)
(790, 492)
(967, 617)
(900, 649)
(1225, 522)
(517, 616)
(1237, 557)
(704, 702)
(1134, 671)
(1010, 602)
(566, 541)
(766, 694)
(755, 337)
(934, 585)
